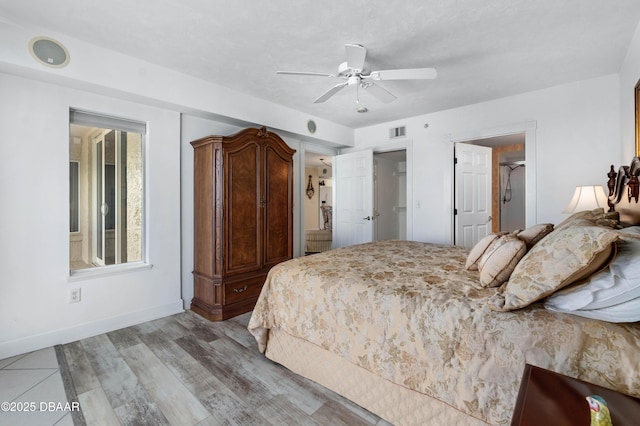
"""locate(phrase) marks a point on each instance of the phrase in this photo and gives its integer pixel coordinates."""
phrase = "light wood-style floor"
(185, 370)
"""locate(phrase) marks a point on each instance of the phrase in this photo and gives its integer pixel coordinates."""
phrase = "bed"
(422, 333)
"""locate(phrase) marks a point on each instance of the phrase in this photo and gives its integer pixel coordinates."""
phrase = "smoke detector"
(361, 110)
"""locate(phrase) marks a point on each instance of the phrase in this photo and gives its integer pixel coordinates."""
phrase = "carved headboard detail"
(624, 192)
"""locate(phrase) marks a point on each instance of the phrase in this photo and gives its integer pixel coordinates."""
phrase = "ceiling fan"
(355, 72)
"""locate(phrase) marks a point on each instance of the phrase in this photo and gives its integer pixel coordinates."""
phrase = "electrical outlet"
(74, 295)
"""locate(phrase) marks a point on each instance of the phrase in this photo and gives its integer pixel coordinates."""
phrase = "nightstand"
(552, 399)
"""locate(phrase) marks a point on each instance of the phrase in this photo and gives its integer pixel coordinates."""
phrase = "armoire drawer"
(240, 290)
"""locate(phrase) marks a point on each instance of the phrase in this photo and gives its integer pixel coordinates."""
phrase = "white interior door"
(353, 209)
(473, 193)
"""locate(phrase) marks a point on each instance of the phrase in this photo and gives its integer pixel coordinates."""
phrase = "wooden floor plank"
(225, 406)
(281, 411)
(124, 338)
(178, 405)
(237, 330)
(338, 415)
(199, 327)
(228, 408)
(96, 408)
(191, 373)
(246, 386)
(304, 393)
(274, 376)
(146, 327)
(171, 328)
(131, 375)
(127, 396)
(82, 373)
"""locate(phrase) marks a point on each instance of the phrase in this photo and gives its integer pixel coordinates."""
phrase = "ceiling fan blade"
(329, 93)
(355, 56)
(379, 92)
(319, 74)
(405, 74)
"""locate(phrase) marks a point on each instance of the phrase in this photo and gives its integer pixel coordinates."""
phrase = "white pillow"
(631, 230)
(628, 311)
(618, 283)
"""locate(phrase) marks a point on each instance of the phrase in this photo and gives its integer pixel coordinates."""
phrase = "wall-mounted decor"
(310, 190)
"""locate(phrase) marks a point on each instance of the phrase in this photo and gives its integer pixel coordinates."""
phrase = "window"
(106, 180)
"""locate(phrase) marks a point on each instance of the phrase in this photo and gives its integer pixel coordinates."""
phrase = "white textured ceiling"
(482, 49)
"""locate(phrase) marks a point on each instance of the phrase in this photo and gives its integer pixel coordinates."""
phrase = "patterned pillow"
(499, 260)
(565, 256)
(478, 250)
(535, 233)
(595, 217)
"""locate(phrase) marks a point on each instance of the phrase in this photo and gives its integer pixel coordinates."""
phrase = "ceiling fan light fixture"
(356, 73)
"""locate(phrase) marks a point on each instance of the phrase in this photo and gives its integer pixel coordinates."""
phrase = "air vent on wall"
(397, 132)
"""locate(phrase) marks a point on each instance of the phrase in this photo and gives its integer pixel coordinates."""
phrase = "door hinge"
(455, 212)
(455, 160)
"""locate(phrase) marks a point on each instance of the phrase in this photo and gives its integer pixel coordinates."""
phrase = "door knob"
(489, 219)
(366, 218)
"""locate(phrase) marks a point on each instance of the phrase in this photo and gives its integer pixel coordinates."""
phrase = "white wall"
(629, 76)
(34, 221)
(577, 138)
(104, 71)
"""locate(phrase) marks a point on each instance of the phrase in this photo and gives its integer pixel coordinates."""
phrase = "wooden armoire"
(243, 218)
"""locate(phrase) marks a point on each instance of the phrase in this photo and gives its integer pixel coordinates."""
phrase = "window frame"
(101, 122)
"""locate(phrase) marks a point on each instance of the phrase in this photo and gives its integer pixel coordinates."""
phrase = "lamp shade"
(587, 197)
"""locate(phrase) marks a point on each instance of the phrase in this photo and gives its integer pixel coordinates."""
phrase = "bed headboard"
(624, 191)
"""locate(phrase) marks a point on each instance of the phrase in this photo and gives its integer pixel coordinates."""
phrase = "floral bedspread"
(411, 313)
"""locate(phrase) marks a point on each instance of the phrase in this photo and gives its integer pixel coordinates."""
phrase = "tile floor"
(33, 378)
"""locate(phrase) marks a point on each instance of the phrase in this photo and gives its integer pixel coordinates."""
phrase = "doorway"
(390, 195)
(508, 186)
(357, 210)
(318, 202)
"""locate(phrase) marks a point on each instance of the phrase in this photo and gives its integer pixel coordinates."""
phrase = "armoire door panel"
(278, 209)
(203, 208)
(242, 209)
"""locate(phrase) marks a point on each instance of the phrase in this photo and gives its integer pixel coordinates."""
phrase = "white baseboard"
(82, 331)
